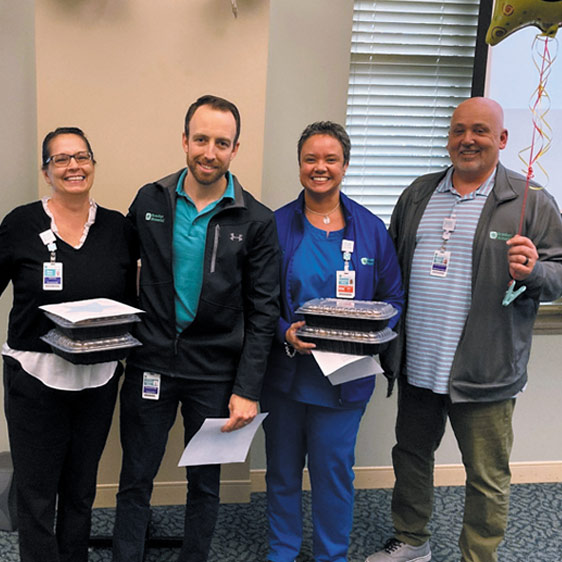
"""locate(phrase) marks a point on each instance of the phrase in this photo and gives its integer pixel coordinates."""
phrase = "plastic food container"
(344, 314)
(347, 341)
(87, 352)
(94, 327)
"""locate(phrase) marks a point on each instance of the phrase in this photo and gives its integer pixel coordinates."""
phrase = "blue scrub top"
(314, 267)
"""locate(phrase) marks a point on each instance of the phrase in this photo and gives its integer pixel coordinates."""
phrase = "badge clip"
(511, 294)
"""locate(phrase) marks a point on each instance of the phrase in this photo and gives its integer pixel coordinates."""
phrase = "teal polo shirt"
(188, 245)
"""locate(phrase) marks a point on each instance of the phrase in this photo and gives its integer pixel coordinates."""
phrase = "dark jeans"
(485, 437)
(144, 433)
(56, 439)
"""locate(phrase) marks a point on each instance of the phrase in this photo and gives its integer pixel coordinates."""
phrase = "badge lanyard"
(345, 280)
(52, 270)
(442, 257)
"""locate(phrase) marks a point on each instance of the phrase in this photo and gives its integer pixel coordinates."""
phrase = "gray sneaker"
(398, 551)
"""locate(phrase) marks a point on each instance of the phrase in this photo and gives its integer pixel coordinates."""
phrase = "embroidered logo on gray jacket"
(503, 236)
(237, 237)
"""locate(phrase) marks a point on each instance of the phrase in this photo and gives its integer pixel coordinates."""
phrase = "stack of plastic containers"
(101, 332)
(347, 326)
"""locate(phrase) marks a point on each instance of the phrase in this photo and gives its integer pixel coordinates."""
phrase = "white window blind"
(411, 65)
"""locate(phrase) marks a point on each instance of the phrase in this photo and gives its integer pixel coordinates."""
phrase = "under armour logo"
(238, 237)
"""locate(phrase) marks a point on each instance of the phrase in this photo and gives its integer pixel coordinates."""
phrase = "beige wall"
(18, 159)
(125, 72)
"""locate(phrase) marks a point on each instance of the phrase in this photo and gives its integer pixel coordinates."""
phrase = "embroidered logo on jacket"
(237, 237)
(367, 261)
(503, 236)
(154, 217)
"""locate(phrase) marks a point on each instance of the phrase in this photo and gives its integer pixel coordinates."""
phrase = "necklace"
(326, 216)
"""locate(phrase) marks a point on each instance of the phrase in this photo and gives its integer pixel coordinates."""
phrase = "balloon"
(512, 15)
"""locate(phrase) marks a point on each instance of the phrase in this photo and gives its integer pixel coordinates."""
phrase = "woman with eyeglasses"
(61, 248)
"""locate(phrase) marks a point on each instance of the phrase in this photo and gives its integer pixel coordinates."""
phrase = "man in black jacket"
(209, 286)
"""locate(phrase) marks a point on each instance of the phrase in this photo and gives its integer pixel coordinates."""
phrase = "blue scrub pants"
(294, 430)
(145, 425)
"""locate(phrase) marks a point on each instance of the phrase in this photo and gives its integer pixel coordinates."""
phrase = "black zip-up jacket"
(231, 335)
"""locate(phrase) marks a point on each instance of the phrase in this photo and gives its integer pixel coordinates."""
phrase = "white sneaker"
(398, 551)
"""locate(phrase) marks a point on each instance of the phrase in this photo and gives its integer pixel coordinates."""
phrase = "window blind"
(411, 65)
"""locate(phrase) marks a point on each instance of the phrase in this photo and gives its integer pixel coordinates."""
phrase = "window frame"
(549, 317)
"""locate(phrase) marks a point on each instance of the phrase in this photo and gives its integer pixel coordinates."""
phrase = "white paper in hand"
(342, 367)
(211, 446)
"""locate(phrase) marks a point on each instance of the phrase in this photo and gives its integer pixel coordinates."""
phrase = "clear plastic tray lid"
(345, 308)
(92, 322)
(68, 345)
(382, 336)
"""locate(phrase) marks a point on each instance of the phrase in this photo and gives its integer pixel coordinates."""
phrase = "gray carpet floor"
(534, 533)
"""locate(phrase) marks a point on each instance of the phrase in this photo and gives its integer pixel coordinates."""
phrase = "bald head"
(476, 136)
(483, 106)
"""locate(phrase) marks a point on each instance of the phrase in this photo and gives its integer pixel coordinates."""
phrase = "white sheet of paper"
(89, 309)
(210, 446)
(342, 367)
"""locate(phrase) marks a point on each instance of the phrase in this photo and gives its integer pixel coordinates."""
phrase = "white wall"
(307, 73)
(296, 88)
(18, 138)
(513, 80)
(536, 424)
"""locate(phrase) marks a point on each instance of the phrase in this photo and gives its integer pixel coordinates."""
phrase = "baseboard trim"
(366, 477)
(373, 477)
(173, 493)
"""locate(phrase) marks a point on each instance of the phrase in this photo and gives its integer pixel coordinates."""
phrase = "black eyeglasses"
(62, 160)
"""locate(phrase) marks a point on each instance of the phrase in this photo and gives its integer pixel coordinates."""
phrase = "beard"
(206, 178)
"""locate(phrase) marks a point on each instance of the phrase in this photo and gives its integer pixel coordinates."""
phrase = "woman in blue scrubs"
(309, 419)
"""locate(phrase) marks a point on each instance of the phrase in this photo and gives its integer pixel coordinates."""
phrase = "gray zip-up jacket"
(490, 363)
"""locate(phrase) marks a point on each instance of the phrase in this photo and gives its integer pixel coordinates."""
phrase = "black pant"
(144, 433)
(56, 439)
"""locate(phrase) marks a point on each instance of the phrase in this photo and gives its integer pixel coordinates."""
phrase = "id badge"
(345, 284)
(150, 386)
(440, 263)
(52, 276)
